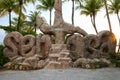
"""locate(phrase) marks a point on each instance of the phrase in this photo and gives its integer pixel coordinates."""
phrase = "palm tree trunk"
(50, 15)
(73, 3)
(110, 27)
(118, 18)
(93, 21)
(10, 20)
(20, 13)
(95, 25)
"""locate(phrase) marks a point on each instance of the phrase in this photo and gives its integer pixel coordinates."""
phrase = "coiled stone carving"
(45, 45)
(28, 46)
(107, 42)
(76, 45)
(12, 41)
(93, 46)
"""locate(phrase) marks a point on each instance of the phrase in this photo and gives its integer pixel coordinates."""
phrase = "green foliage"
(115, 56)
(115, 59)
(3, 59)
(8, 29)
(23, 32)
(26, 33)
(99, 64)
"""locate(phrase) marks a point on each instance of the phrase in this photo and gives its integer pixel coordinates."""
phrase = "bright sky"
(80, 20)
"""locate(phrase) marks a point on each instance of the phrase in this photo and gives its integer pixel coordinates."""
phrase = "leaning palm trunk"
(118, 18)
(105, 3)
(93, 23)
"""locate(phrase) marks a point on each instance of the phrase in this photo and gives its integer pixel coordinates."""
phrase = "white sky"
(80, 20)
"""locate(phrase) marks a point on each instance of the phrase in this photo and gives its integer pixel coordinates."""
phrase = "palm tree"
(106, 8)
(15, 21)
(32, 19)
(6, 7)
(114, 7)
(21, 3)
(91, 7)
(46, 5)
(73, 8)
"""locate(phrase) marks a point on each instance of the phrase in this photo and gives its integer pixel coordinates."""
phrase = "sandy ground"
(63, 74)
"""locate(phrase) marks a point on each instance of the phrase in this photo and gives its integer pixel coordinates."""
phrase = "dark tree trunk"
(73, 3)
(20, 13)
(118, 18)
(50, 15)
(93, 23)
(10, 20)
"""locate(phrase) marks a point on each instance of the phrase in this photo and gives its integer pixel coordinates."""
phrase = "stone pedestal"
(58, 57)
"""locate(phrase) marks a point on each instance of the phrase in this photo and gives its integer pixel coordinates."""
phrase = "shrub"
(115, 59)
(3, 59)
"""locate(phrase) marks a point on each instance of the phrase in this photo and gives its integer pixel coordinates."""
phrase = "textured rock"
(18, 60)
(60, 28)
(86, 51)
(108, 41)
(28, 46)
(91, 63)
(12, 41)
(53, 65)
(58, 57)
(38, 46)
(91, 46)
(8, 65)
(33, 61)
(46, 45)
(76, 46)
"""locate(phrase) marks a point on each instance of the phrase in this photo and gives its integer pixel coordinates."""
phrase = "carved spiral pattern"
(12, 41)
(107, 41)
(46, 45)
(28, 46)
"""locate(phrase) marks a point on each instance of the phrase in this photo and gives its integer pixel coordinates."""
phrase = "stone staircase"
(58, 57)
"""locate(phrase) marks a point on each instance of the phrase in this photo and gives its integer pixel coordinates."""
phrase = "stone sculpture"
(12, 41)
(76, 45)
(60, 28)
(28, 46)
(78, 50)
(26, 50)
(92, 46)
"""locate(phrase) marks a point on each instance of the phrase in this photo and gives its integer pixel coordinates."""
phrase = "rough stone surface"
(60, 28)
(28, 46)
(58, 57)
(45, 46)
(108, 42)
(12, 41)
(33, 52)
(76, 45)
(91, 63)
(33, 61)
(91, 46)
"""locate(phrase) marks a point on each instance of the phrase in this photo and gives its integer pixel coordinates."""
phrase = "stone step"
(59, 46)
(67, 51)
(54, 57)
(67, 60)
(64, 54)
(55, 51)
(53, 65)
